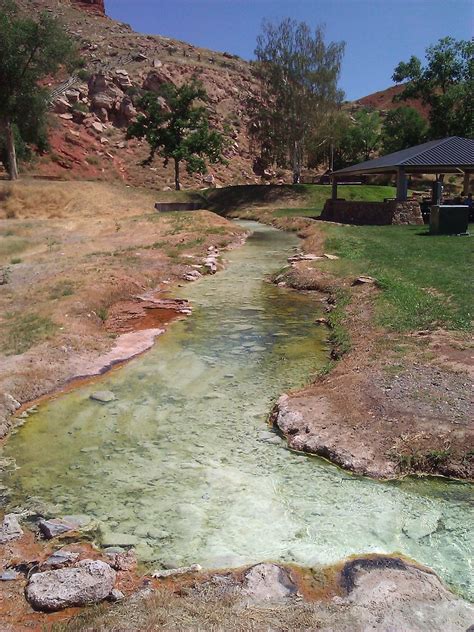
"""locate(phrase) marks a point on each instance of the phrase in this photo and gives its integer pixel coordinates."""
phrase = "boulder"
(127, 109)
(62, 106)
(269, 582)
(97, 126)
(72, 96)
(155, 79)
(10, 529)
(89, 582)
(57, 526)
(103, 93)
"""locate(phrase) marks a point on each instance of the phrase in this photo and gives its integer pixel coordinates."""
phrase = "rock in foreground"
(10, 529)
(89, 582)
(268, 582)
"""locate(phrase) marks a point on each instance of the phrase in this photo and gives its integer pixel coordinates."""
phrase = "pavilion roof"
(437, 156)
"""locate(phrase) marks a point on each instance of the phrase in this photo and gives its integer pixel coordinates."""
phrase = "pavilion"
(447, 155)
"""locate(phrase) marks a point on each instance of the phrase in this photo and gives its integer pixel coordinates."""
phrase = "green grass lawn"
(426, 280)
(315, 195)
(309, 198)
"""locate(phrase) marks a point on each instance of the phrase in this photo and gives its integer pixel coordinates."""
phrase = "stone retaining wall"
(164, 207)
(378, 213)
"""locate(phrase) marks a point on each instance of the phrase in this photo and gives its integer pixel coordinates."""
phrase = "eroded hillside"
(90, 117)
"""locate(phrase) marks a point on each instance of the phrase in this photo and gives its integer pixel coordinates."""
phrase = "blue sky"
(378, 33)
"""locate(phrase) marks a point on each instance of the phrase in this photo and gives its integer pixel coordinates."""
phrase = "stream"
(183, 466)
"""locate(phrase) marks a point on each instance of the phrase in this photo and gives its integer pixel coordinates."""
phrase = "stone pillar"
(334, 188)
(402, 185)
(467, 177)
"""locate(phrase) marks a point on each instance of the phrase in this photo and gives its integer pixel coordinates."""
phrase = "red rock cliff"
(96, 6)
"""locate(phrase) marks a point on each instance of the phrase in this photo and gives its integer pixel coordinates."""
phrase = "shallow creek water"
(182, 463)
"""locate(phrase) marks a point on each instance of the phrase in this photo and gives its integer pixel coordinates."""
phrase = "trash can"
(449, 219)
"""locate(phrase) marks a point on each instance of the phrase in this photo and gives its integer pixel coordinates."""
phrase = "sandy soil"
(85, 268)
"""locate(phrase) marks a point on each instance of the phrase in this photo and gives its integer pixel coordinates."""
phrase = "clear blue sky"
(378, 33)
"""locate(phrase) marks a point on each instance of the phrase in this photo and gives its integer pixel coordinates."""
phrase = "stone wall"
(165, 207)
(378, 213)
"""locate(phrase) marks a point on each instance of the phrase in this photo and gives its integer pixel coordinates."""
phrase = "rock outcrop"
(95, 6)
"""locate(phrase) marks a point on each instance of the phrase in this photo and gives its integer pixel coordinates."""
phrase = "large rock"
(155, 79)
(385, 593)
(103, 93)
(57, 526)
(10, 529)
(89, 582)
(127, 109)
(268, 582)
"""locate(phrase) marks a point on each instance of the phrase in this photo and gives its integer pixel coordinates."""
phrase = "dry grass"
(49, 200)
(84, 246)
(207, 611)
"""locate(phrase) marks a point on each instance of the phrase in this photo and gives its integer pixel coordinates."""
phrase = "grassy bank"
(290, 200)
(426, 280)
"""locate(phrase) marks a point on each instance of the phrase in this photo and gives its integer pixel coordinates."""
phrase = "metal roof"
(449, 153)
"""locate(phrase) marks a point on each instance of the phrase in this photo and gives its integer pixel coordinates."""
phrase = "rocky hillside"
(91, 115)
(92, 110)
(384, 101)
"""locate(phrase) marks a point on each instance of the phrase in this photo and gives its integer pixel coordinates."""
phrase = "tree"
(402, 128)
(445, 83)
(363, 137)
(177, 129)
(298, 75)
(29, 51)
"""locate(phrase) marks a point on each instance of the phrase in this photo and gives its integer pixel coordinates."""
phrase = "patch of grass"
(16, 260)
(92, 160)
(62, 288)
(80, 107)
(425, 279)
(12, 245)
(307, 196)
(297, 212)
(102, 313)
(23, 331)
(339, 336)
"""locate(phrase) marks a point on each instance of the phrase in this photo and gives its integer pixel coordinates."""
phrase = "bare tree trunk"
(296, 163)
(176, 175)
(11, 152)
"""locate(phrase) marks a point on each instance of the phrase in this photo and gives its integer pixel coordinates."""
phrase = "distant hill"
(384, 101)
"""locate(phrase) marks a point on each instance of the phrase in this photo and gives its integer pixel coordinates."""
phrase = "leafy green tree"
(30, 50)
(403, 127)
(298, 74)
(445, 83)
(363, 137)
(177, 129)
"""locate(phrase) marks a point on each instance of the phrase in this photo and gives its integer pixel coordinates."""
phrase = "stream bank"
(393, 404)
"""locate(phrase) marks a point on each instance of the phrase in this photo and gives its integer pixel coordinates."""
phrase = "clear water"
(178, 462)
